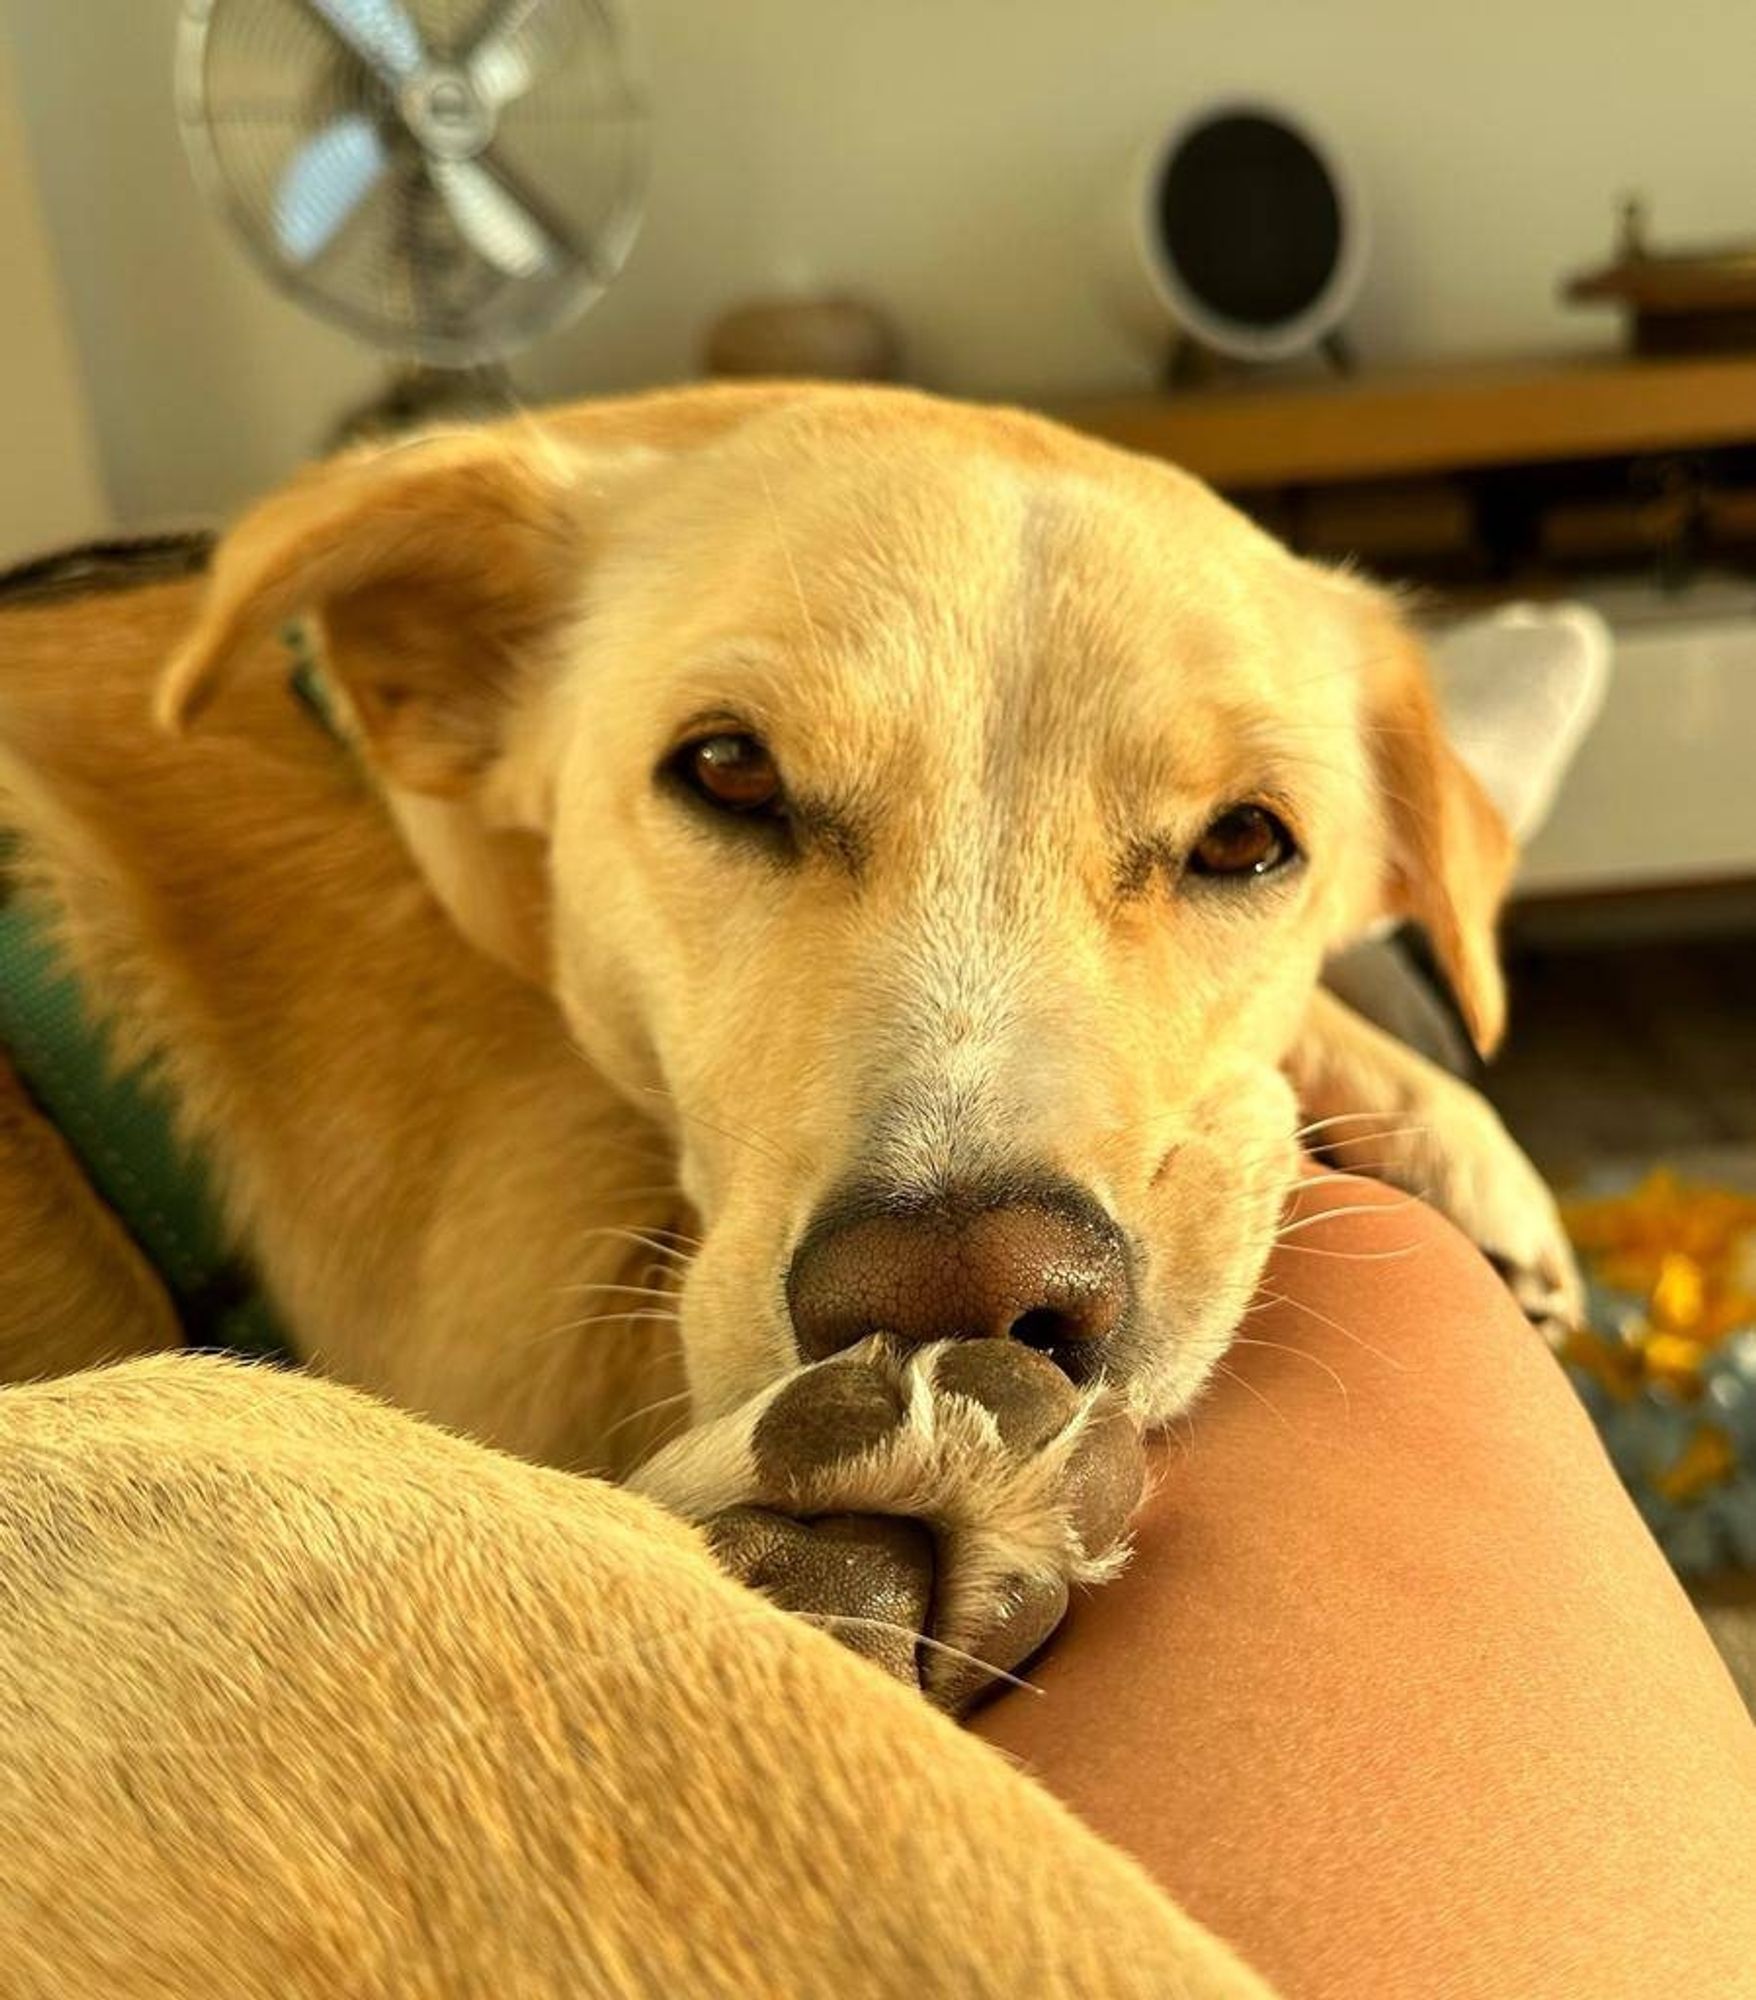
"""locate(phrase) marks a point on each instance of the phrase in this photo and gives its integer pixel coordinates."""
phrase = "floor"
(1632, 1053)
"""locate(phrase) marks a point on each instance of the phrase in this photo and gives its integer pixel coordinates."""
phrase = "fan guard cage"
(447, 179)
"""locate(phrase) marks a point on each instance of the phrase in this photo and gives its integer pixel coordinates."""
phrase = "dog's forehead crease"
(892, 575)
(950, 642)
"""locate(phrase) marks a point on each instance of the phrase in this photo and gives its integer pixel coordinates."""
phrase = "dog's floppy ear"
(440, 575)
(437, 571)
(1449, 855)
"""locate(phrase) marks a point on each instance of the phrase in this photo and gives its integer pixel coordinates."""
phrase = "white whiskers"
(1250, 1389)
(830, 1620)
(1266, 1297)
(1304, 1354)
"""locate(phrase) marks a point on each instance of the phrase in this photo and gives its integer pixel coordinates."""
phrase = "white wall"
(948, 156)
(50, 491)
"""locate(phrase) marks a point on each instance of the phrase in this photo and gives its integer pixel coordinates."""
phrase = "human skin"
(1398, 1695)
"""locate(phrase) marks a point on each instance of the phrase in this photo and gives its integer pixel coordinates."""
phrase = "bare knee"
(1376, 1310)
(1386, 1660)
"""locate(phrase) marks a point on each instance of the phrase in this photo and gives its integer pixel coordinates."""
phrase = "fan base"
(419, 396)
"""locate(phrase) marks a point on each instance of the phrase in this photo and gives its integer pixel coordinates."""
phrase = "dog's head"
(935, 820)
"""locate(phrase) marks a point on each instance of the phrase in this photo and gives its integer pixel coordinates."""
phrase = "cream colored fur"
(522, 1082)
(1017, 661)
(304, 1700)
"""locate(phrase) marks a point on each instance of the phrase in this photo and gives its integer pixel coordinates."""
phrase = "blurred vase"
(827, 339)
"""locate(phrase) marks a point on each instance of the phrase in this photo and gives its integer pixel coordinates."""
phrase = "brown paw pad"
(1021, 1619)
(1106, 1478)
(933, 1507)
(1028, 1397)
(867, 1577)
(1032, 1403)
(820, 1420)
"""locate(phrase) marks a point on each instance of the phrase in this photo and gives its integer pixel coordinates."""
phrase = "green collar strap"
(121, 1129)
(119, 1124)
(119, 1121)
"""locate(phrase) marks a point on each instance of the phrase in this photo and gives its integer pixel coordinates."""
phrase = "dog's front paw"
(1484, 1182)
(933, 1506)
(1454, 1153)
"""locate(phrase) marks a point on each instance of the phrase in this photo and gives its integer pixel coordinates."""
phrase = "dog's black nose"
(1046, 1267)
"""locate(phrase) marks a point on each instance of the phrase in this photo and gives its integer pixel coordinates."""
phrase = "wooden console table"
(1432, 420)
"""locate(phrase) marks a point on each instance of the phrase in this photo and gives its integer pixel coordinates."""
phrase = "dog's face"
(937, 822)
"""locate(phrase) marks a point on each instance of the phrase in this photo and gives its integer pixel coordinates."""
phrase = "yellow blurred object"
(1679, 1293)
(1687, 1249)
(1668, 1370)
(1709, 1459)
(1673, 1359)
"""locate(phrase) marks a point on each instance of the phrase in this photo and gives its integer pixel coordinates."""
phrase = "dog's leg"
(934, 1507)
(74, 1291)
(1377, 1107)
(306, 1698)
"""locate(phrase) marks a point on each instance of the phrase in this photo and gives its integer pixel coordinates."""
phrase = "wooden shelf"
(1435, 420)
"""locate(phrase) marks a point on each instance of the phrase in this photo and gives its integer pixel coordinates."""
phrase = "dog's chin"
(1183, 1335)
(1168, 1387)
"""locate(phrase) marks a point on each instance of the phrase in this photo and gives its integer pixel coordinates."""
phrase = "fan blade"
(493, 221)
(502, 64)
(379, 32)
(329, 177)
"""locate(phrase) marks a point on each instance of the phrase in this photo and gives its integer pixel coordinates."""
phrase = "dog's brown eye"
(1246, 840)
(732, 771)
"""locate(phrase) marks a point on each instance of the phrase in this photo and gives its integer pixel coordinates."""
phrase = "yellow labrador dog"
(813, 875)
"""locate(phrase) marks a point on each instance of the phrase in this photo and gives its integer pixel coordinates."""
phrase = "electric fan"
(447, 179)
